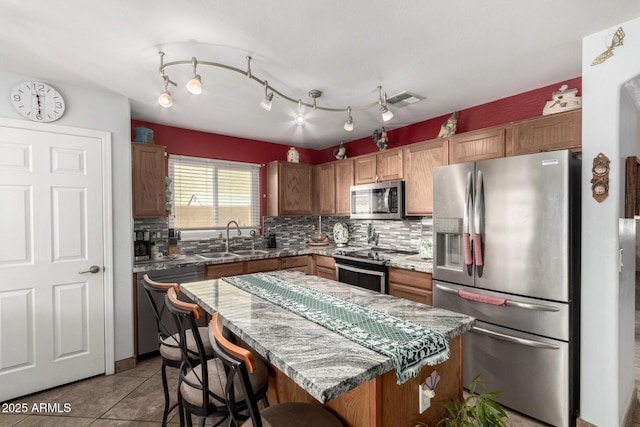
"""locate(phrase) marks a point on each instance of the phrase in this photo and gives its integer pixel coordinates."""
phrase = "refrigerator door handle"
(477, 217)
(508, 303)
(509, 338)
(466, 225)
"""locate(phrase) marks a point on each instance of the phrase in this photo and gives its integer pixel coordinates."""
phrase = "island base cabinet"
(381, 402)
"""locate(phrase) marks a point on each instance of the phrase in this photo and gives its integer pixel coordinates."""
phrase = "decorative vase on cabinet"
(293, 156)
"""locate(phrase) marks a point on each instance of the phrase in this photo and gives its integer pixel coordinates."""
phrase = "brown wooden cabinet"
(325, 266)
(412, 285)
(216, 271)
(289, 188)
(384, 166)
(298, 263)
(547, 133)
(148, 173)
(324, 189)
(419, 160)
(344, 181)
(389, 165)
(477, 145)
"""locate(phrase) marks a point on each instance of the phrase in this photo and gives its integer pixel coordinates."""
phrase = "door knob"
(93, 270)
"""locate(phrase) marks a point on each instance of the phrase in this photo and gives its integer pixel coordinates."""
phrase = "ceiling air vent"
(404, 98)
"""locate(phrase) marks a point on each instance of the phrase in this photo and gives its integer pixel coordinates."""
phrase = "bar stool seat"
(170, 346)
(240, 364)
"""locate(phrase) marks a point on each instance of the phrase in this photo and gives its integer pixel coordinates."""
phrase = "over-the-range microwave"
(380, 200)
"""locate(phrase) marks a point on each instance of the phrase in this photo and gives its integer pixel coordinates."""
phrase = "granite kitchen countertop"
(323, 363)
(411, 262)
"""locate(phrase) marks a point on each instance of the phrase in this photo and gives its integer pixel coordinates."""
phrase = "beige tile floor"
(134, 398)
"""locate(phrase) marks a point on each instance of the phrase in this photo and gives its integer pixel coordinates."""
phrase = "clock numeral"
(40, 87)
(17, 97)
(58, 104)
(39, 116)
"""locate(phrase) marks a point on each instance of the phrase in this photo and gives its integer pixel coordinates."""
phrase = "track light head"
(165, 99)
(268, 97)
(195, 85)
(348, 126)
(386, 113)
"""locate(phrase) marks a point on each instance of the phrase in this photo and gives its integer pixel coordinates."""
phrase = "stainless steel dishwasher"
(147, 341)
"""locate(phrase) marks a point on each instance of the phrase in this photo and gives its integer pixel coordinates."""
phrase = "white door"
(52, 325)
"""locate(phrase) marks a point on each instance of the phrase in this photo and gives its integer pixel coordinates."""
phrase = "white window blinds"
(207, 193)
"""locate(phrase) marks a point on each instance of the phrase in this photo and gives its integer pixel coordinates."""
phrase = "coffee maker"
(141, 245)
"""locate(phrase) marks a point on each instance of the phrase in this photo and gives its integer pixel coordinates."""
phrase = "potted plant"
(475, 410)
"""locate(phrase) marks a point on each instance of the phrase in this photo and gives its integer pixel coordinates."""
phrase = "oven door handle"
(508, 302)
(359, 270)
(509, 338)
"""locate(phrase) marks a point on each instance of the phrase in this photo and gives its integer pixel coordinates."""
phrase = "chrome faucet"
(239, 233)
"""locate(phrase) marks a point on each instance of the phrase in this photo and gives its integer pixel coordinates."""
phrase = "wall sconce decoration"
(616, 41)
(600, 179)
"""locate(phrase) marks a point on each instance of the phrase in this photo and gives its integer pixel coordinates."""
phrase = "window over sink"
(206, 194)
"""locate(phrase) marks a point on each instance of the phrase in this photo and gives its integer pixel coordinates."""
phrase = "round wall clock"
(37, 101)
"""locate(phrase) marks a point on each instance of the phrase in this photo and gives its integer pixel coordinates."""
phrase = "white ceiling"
(455, 53)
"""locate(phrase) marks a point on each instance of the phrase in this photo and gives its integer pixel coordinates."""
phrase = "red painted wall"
(518, 107)
(200, 144)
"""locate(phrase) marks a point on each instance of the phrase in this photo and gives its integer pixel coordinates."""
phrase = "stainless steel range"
(366, 268)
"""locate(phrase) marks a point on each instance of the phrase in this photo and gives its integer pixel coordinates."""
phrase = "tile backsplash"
(292, 231)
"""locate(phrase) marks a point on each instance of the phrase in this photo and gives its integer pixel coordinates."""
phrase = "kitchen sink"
(250, 252)
(217, 255)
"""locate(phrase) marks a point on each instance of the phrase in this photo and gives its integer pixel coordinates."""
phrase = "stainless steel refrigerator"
(507, 251)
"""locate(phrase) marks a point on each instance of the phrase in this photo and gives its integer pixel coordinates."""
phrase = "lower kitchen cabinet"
(412, 285)
(216, 271)
(298, 263)
(325, 266)
(260, 265)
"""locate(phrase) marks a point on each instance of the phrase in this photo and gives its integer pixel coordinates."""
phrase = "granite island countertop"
(323, 363)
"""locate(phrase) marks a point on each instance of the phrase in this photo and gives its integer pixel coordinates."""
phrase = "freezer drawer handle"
(508, 303)
(509, 338)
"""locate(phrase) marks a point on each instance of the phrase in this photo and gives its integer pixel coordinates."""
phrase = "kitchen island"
(311, 363)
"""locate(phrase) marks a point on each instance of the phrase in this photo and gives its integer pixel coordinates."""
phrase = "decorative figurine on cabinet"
(380, 138)
(340, 153)
(449, 127)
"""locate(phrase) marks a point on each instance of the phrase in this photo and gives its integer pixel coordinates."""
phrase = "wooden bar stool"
(240, 364)
(201, 390)
(168, 337)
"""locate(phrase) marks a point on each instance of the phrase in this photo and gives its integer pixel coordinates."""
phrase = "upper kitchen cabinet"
(419, 161)
(148, 174)
(477, 145)
(384, 166)
(289, 188)
(344, 180)
(324, 189)
(547, 133)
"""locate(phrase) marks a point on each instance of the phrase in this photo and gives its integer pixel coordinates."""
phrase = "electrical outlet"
(424, 400)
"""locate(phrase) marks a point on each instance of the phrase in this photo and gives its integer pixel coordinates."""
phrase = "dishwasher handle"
(512, 339)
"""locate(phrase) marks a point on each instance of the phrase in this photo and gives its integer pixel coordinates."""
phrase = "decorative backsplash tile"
(293, 231)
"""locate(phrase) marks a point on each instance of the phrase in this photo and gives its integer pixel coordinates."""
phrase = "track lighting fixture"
(195, 86)
(268, 97)
(348, 126)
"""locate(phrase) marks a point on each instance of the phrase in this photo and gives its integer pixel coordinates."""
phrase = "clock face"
(37, 101)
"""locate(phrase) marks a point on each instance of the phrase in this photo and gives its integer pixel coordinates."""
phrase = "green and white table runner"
(409, 346)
